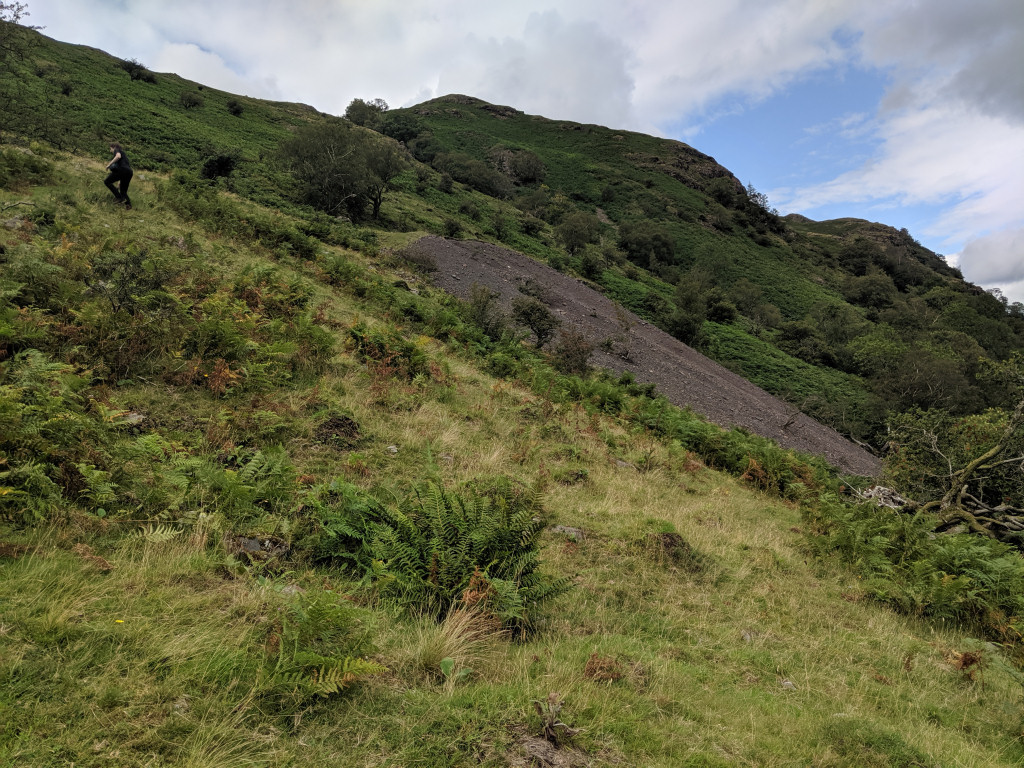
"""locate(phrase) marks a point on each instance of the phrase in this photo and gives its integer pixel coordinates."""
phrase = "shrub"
(235, 107)
(451, 227)
(22, 168)
(388, 353)
(474, 173)
(136, 71)
(578, 230)
(961, 578)
(46, 439)
(190, 100)
(483, 310)
(218, 165)
(439, 549)
(572, 354)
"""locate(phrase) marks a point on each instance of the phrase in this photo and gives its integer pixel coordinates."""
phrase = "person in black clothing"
(120, 171)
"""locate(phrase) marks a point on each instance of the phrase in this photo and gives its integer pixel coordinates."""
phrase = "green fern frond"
(159, 533)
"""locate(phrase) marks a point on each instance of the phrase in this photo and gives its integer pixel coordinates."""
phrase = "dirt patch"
(603, 668)
(537, 752)
(339, 431)
(683, 375)
(11, 551)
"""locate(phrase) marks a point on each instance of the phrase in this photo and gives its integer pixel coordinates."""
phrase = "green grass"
(143, 637)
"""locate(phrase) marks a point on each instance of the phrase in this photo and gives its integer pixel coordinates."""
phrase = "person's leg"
(109, 181)
(126, 179)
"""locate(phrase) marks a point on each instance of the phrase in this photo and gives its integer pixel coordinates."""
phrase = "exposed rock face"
(681, 374)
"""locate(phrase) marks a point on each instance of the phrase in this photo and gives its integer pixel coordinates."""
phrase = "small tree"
(967, 470)
(401, 127)
(572, 354)
(329, 161)
(190, 100)
(484, 311)
(385, 161)
(532, 314)
(14, 44)
(577, 230)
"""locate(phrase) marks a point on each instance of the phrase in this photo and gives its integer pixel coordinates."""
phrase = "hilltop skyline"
(901, 113)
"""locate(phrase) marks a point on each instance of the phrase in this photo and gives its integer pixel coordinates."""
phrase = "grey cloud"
(568, 70)
(996, 258)
(971, 51)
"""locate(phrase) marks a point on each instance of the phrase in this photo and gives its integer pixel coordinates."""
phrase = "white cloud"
(193, 63)
(692, 55)
(950, 130)
(971, 162)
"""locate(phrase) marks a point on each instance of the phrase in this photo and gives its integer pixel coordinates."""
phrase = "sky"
(905, 112)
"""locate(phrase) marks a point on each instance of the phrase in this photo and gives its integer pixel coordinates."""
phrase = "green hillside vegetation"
(822, 293)
(269, 498)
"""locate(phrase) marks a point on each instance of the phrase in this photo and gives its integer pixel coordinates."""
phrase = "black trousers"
(124, 176)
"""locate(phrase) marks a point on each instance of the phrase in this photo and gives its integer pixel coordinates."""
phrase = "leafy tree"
(385, 161)
(520, 165)
(483, 310)
(12, 36)
(857, 256)
(802, 339)
(14, 43)
(687, 321)
(967, 470)
(724, 190)
(645, 244)
(402, 127)
(190, 100)
(531, 313)
(221, 164)
(366, 113)
(474, 173)
(577, 230)
(874, 290)
(342, 168)
(328, 160)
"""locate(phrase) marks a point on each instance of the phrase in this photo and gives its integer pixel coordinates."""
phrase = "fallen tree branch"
(15, 205)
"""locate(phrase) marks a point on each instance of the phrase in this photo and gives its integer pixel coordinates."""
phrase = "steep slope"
(831, 318)
(198, 410)
(794, 306)
(686, 377)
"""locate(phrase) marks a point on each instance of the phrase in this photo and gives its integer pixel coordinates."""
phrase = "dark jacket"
(122, 163)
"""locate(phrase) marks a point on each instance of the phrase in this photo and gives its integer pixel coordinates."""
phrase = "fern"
(160, 533)
(426, 552)
(321, 648)
(331, 676)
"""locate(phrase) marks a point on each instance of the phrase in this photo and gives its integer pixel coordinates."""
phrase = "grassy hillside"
(657, 224)
(268, 498)
(139, 629)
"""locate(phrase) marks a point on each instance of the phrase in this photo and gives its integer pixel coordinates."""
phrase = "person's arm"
(117, 156)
